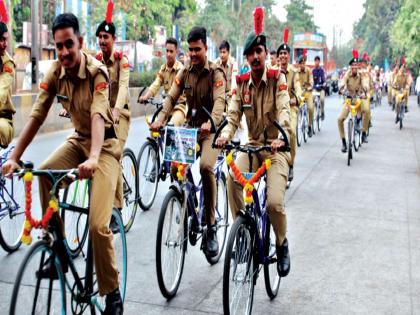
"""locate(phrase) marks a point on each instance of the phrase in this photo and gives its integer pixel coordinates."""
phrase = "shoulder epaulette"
(98, 56)
(244, 77)
(272, 73)
(118, 55)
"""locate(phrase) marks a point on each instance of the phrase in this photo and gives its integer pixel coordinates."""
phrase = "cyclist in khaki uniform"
(366, 84)
(7, 76)
(295, 92)
(119, 73)
(166, 77)
(401, 82)
(352, 83)
(262, 97)
(80, 82)
(229, 66)
(204, 85)
(307, 82)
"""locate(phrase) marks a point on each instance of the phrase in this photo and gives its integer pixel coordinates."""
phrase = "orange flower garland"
(182, 170)
(30, 222)
(248, 185)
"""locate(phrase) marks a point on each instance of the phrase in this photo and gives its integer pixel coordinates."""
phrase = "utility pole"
(34, 43)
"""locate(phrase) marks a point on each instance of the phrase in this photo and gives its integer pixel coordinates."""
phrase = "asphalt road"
(352, 231)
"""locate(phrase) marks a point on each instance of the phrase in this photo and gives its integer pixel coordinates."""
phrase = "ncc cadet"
(119, 72)
(165, 77)
(295, 92)
(391, 76)
(273, 60)
(7, 75)
(353, 85)
(263, 98)
(229, 66)
(81, 84)
(366, 83)
(204, 85)
(401, 82)
(307, 82)
(319, 80)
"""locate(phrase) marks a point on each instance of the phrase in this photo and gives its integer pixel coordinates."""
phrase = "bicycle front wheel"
(130, 188)
(299, 126)
(75, 223)
(222, 218)
(148, 174)
(240, 270)
(171, 244)
(271, 275)
(39, 289)
(12, 213)
(350, 141)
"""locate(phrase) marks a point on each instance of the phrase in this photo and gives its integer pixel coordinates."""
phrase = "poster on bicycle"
(180, 145)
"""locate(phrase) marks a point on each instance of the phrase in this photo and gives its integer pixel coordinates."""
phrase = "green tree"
(300, 17)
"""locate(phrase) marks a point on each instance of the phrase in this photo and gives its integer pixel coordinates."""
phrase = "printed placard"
(180, 145)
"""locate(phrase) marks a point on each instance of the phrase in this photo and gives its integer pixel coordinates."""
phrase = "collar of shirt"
(206, 66)
(82, 68)
(177, 65)
(263, 79)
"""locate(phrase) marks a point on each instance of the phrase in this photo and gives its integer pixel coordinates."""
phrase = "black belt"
(7, 116)
(109, 134)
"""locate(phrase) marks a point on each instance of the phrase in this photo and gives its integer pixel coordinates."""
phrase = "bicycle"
(400, 100)
(41, 281)
(317, 108)
(252, 243)
(353, 125)
(378, 95)
(302, 128)
(11, 213)
(182, 219)
(151, 167)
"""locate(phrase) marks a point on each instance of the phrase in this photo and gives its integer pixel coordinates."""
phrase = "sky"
(329, 13)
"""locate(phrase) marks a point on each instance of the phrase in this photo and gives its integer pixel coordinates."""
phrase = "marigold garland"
(248, 185)
(30, 222)
(182, 170)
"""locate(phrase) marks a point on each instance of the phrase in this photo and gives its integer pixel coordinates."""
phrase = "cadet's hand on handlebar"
(205, 128)
(277, 144)
(143, 99)
(87, 168)
(156, 126)
(221, 142)
(9, 167)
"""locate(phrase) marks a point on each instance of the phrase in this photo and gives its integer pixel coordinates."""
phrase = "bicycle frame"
(8, 204)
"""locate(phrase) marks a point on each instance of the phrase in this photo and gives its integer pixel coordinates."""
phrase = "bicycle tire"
(11, 225)
(222, 219)
(130, 196)
(299, 135)
(232, 257)
(305, 127)
(169, 290)
(402, 110)
(145, 203)
(27, 280)
(76, 224)
(272, 288)
(349, 147)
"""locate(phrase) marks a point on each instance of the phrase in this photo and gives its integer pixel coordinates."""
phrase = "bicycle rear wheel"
(75, 223)
(299, 135)
(402, 111)
(305, 127)
(240, 270)
(271, 275)
(11, 224)
(37, 292)
(130, 188)
(222, 217)
(171, 244)
(148, 174)
(350, 141)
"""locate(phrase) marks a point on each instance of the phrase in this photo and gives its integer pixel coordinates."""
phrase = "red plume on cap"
(305, 52)
(403, 60)
(258, 20)
(286, 35)
(4, 17)
(365, 55)
(355, 53)
(109, 9)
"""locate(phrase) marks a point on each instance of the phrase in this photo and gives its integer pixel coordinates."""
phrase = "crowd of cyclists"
(276, 103)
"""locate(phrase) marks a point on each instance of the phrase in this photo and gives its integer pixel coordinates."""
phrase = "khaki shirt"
(119, 74)
(82, 97)
(202, 89)
(261, 105)
(353, 84)
(366, 79)
(165, 77)
(231, 71)
(400, 81)
(293, 83)
(306, 79)
(7, 76)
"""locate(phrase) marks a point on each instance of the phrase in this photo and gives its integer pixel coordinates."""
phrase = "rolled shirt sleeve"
(171, 99)
(124, 75)
(100, 102)
(6, 81)
(219, 96)
(283, 104)
(234, 117)
(45, 97)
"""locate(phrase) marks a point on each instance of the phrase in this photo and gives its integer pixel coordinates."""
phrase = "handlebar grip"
(213, 125)
(284, 135)
(218, 131)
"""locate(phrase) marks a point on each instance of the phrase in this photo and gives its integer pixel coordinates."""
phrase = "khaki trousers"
(122, 133)
(322, 96)
(293, 141)
(310, 101)
(6, 132)
(276, 187)
(390, 93)
(69, 155)
(365, 108)
(341, 118)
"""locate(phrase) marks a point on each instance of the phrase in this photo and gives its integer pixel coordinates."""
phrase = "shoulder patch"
(44, 86)
(218, 83)
(101, 86)
(272, 73)
(126, 65)
(283, 87)
(99, 56)
(177, 81)
(7, 69)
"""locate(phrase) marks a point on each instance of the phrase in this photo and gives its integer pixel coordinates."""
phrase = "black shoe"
(113, 226)
(344, 146)
(364, 137)
(114, 303)
(212, 245)
(283, 259)
(322, 116)
(310, 131)
(396, 119)
(290, 177)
